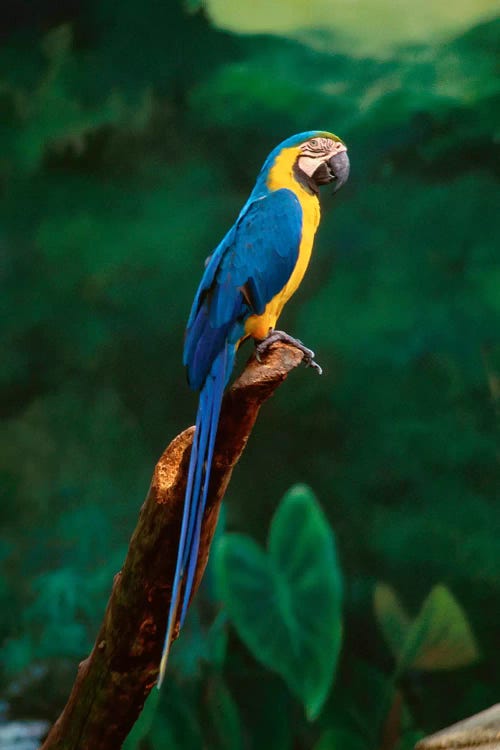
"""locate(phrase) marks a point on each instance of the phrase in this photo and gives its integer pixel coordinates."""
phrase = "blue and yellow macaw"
(247, 281)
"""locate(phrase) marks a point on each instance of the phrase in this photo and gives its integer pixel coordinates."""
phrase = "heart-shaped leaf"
(286, 604)
(440, 637)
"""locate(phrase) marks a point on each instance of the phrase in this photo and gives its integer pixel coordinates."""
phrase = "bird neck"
(280, 170)
(283, 172)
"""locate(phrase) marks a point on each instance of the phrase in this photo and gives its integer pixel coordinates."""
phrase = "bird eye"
(313, 142)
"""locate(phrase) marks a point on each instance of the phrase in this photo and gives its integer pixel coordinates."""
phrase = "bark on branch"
(115, 680)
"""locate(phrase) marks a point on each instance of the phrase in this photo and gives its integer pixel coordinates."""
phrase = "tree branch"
(115, 680)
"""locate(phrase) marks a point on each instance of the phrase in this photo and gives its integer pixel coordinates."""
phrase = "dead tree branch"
(115, 680)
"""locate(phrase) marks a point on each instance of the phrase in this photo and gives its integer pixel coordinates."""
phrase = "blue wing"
(250, 266)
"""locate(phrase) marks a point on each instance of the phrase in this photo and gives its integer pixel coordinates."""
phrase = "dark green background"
(130, 135)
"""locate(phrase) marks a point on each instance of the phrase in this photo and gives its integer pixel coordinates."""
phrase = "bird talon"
(309, 361)
(315, 366)
(274, 336)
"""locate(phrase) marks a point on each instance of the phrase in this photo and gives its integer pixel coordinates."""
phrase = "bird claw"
(274, 336)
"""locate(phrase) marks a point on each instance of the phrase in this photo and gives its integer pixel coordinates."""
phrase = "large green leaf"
(440, 637)
(286, 604)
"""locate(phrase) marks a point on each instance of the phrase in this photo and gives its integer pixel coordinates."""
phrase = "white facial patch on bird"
(316, 151)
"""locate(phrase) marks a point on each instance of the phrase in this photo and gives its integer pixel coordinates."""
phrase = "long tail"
(200, 464)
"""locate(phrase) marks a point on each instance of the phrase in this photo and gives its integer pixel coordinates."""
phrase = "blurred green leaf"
(392, 618)
(285, 604)
(144, 723)
(439, 637)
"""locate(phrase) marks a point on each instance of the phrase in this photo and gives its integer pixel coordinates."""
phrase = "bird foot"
(274, 336)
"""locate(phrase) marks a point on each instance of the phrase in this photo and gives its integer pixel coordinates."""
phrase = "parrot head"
(313, 158)
(323, 159)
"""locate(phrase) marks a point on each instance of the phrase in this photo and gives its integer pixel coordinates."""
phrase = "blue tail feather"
(201, 438)
(213, 405)
(198, 479)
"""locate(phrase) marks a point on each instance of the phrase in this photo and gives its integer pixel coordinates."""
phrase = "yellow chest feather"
(281, 176)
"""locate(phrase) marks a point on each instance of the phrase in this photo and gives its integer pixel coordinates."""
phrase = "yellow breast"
(281, 175)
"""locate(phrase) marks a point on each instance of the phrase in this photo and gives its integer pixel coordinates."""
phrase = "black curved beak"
(339, 166)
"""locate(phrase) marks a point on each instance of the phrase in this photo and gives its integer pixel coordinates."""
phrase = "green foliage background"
(130, 135)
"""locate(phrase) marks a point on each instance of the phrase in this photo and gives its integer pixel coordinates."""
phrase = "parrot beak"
(339, 166)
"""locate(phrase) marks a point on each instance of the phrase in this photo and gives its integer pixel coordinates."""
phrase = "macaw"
(247, 281)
